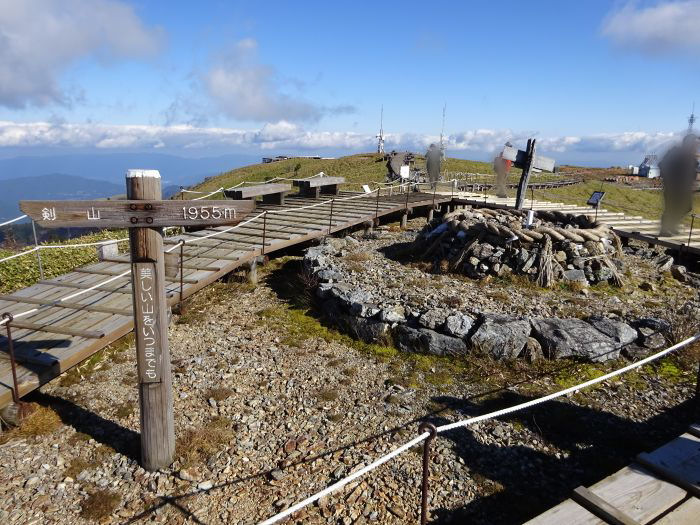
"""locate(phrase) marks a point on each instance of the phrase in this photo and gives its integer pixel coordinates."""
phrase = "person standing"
(433, 157)
(679, 168)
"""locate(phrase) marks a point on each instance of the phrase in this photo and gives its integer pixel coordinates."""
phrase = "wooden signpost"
(144, 214)
(527, 161)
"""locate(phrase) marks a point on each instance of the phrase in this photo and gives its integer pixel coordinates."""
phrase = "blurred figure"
(501, 166)
(433, 157)
(678, 170)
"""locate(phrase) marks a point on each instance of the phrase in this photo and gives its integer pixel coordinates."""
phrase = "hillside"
(357, 169)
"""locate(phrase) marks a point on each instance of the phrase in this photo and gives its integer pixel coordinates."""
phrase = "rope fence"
(471, 421)
(12, 220)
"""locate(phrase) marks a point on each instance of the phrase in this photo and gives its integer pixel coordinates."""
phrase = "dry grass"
(77, 466)
(41, 421)
(196, 446)
(328, 394)
(99, 504)
(124, 410)
(218, 393)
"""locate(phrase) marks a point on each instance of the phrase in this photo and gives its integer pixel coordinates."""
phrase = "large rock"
(458, 324)
(620, 332)
(433, 319)
(574, 338)
(501, 336)
(426, 341)
(652, 332)
(368, 330)
(393, 314)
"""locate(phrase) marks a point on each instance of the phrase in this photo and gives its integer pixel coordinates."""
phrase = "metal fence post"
(425, 487)
(38, 251)
(690, 233)
(376, 210)
(262, 251)
(330, 218)
(182, 278)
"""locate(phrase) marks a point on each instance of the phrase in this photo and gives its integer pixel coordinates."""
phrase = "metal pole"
(182, 278)
(182, 193)
(425, 488)
(38, 252)
(376, 210)
(532, 200)
(13, 363)
(262, 251)
(330, 218)
(690, 233)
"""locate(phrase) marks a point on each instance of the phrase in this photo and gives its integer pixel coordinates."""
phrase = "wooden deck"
(661, 487)
(625, 226)
(59, 336)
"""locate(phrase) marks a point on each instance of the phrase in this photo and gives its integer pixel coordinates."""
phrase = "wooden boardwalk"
(661, 487)
(625, 226)
(59, 336)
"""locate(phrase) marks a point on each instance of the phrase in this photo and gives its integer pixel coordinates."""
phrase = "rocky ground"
(272, 406)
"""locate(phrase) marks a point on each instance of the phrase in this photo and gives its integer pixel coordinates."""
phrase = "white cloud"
(39, 39)
(286, 136)
(665, 27)
(245, 89)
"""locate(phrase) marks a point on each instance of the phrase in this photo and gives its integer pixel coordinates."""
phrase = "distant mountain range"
(53, 186)
(112, 166)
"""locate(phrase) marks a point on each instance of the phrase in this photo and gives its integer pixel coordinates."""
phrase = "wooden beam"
(53, 329)
(91, 271)
(72, 306)
(601, 508)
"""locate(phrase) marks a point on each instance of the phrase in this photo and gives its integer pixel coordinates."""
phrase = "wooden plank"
(130, 213)
(677, 461)
(247, 192)
(125, 260)
(694, 429)
(687, 513)
(107, 272)
(601, 508)
(317, 182)
(638, 493)
(70, 305)
(64, 330)
(566, 513)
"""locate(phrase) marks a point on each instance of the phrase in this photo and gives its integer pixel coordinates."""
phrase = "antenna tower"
(691, 119)
(380, 137)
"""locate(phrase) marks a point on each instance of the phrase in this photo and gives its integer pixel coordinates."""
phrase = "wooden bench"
(315, 186)
(270, 193)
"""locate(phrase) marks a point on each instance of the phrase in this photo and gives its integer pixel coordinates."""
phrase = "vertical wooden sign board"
(151, 329)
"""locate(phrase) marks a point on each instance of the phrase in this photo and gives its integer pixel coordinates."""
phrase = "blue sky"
(596, 82)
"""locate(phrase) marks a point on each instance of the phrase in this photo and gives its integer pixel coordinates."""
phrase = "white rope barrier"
(471, 421)
(12, 220)
(20, 254)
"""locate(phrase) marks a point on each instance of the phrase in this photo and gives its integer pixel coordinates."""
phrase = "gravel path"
(269, 411)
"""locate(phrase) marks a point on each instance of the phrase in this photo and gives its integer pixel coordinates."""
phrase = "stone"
(647, 286)
(364, 309)
(574, 338)
(433, 319)
(560, 256)
(620, 332)
(368, 330)
(663, 263)
(426, 341)
(188, 474)
(31, 481)
(533, 350)
(329, 275)
(650, 338)
(577, 276)
(528, 264)
(501, 336)
(458, 324)
(679, 273)
(205, 485)
(393, 314)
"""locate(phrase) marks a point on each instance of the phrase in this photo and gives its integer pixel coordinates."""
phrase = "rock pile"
(372, 315)
(554, 246)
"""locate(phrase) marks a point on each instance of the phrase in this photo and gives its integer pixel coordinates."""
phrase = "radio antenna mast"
(380, 137)
(691, 119)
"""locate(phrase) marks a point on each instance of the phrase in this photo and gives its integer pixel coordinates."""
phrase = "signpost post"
(527, 161)
(145, 215)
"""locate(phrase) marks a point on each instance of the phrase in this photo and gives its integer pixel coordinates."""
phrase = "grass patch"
(99, 504)
(196, 446)
(579, 374)
(124, 410)
(40, 421)
(116, 352)
(218, 393)
(328, 394)
(197, 307)
(77, 466)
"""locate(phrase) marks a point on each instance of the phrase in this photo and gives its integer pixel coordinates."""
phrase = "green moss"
(579, 374)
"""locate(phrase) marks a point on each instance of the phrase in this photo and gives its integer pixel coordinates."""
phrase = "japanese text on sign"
(147, 322)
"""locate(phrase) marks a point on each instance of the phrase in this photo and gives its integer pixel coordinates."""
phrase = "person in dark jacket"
(679, 168)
